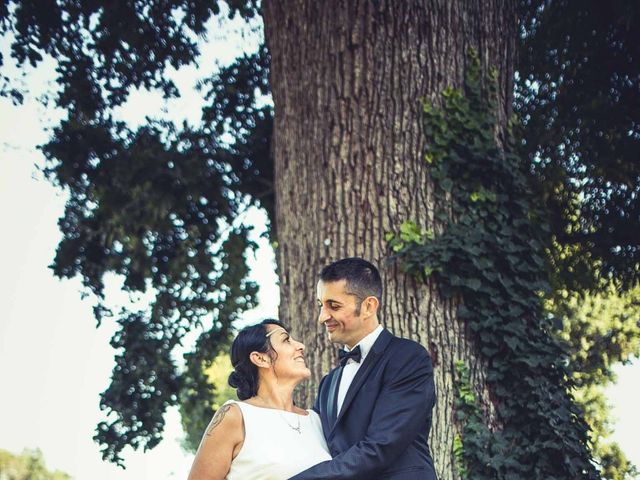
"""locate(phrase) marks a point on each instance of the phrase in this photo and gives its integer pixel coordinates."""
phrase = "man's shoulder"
(403, 349)
(401, 343)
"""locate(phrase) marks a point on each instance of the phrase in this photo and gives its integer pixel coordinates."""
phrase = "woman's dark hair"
(253, 338)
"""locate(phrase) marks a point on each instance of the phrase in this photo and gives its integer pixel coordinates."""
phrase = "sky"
(54, 362)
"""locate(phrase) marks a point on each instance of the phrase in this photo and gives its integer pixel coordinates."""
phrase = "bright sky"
(53, 361)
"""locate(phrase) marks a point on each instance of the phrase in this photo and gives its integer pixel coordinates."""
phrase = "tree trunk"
(348, 78)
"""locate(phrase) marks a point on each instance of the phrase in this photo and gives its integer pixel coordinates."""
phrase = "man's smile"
(331, 326)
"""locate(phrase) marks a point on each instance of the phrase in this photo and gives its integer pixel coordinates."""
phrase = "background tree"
(602, 329)
(578, 82)
(28, 465)
(195, 409)
(349, 165)
(158, 205)
(577, 86)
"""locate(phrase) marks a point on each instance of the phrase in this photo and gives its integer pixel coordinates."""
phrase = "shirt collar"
(367, 342)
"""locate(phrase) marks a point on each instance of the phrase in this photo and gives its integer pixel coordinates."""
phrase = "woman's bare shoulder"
(220, 443)
(228, 418)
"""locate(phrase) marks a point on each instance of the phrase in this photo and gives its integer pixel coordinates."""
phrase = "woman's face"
(289, 358)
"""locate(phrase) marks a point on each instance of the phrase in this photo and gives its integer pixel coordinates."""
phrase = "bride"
(264, 436)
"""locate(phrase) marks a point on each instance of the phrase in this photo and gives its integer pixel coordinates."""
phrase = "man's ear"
(369, 306)
(260, 360)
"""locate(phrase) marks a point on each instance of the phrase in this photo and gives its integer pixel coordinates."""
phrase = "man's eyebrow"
(330, 300)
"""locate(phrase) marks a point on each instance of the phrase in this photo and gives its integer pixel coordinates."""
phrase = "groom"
(376, 405)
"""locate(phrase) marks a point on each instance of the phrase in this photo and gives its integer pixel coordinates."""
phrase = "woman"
(264, 436)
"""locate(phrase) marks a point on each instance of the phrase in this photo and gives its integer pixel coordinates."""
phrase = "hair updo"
(244, 377)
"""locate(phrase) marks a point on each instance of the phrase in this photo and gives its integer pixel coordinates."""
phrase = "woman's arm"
(220, 444)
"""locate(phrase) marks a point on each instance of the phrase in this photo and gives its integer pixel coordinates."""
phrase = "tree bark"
(348, 78)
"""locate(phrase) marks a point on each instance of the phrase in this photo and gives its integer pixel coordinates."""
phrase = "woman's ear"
(260, 360)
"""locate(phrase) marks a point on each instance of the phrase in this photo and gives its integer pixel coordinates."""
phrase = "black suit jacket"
(382, 429)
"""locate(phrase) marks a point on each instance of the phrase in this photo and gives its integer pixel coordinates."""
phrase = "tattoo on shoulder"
(217, 418)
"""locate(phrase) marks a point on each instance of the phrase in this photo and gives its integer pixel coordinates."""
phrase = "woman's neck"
(275, 396)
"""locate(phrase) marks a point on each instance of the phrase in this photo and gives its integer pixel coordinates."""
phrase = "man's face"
(338, 313)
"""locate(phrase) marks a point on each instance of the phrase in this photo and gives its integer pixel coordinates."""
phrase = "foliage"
(602, 322)
(29, 465)
(577, 86)
(197, 414)
(601, 329)
(467, 412)
(158, 206)
(490, 253)
(577, 92)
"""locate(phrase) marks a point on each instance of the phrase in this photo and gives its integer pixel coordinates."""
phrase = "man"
(376, 406)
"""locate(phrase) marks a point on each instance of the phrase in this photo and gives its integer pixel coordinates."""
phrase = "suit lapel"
(374, 355)
(332, 394)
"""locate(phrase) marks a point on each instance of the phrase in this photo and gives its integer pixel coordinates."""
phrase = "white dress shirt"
(351, 368)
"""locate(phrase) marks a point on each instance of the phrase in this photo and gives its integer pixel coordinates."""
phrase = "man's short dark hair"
(362, 277)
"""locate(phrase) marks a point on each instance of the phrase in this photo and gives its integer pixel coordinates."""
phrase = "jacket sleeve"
(401, 411)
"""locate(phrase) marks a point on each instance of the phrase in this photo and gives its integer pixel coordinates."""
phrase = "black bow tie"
(354, 354)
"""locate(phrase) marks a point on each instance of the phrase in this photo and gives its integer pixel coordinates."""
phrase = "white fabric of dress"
(277, 444)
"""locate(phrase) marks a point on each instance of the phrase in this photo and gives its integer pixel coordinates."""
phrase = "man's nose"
(323, 316)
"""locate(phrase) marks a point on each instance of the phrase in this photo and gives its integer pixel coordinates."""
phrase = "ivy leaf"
(473, 284)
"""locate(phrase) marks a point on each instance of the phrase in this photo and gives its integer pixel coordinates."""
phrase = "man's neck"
(368, 332)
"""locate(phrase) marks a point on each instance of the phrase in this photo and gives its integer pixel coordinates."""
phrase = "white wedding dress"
(277, 444)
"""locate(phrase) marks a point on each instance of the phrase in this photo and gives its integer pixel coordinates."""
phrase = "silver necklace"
(298, 428)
